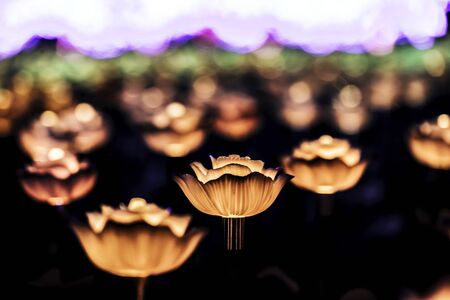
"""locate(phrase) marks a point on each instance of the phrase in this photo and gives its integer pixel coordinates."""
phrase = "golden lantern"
(138, 240)
(325, 166)
(236, 116)
(79, 129)
(416, 91)
(430, 143)
(15, 101)
(350, 115)
(59, 180)
(177, 130)
(384, 90)
(236, 187)
(174, 144)
(298, 109)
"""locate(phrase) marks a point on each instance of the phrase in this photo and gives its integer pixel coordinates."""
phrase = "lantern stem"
(234, 233)
(326, 203)
(141, 288)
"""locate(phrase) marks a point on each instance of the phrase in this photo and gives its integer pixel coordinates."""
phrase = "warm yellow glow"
(416, 92)
(78, 129)
(434, 62)
(441, 292)
(6, 99)
(300, 92)
(175, 110)
(138, 248)
(299, 116)
(56, 184)
(174, 144)
(84, 112)
(237, 129)
(190, 121)
(204, 87)
(5, 126)
(350, 96)
(55, 154)
(49, 118)
(235, 187)
(325, 166)
(384, 91)
(161, 120)
(350, 121)
(237, 116)
(138, 210)
(443, 121)
(326, 140)
(430, 143)
(153, 98)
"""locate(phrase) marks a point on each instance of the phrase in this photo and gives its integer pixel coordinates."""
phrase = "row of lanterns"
(142, 239)
(236, 114)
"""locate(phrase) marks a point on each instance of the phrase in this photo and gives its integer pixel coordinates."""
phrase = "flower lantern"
(235, 188)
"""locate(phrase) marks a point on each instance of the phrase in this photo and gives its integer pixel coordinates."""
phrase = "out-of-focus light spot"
(5, 126)
(175, 110)
(153, 97)
(6, 99)
(49, 118)
(300, 92)
(161, 121)
(384, 91)
(416, 92)
(443, 121)
(204, 87)
(350, 96)
(434, 62)
(84, 112)
(55, 154)
(22, 83)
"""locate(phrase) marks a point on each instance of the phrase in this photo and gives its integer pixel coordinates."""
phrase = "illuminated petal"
(232, 169)
(352, 157)
(431, 152)
(196, 194)
(177, 224)
(221, 161)
(199, 170)
(97, 221)
(240, 196)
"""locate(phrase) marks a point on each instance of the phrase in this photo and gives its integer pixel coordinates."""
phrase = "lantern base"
(234, 233)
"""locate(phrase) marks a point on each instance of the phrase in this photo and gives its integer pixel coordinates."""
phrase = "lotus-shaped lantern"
(236, 187)
(59, 180)
(138, 240)
(430, 143)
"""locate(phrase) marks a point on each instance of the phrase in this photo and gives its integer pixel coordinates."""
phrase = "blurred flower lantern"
(236, 115)
(349, 113)
(298, 109)
(430, 143)
(58, 180)
(176, 130)
(138, 240)
(325, 166)
(79, 129)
